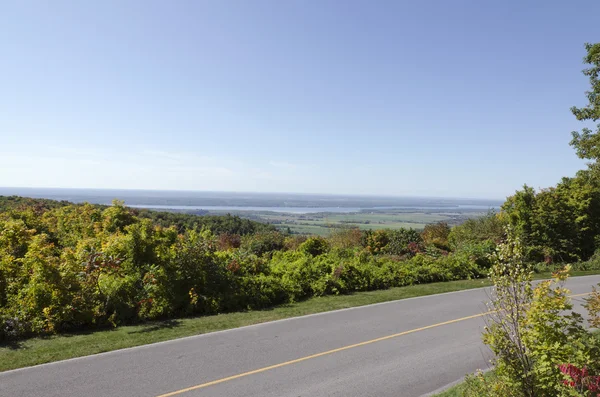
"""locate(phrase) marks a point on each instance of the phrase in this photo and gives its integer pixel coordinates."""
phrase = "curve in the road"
(406, 348)
(312, 356)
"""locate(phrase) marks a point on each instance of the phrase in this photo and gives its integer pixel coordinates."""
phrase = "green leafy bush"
(436, 234)
(314, 246)
(478, 252)
(488, 228)
(263, 242)
(375, 242)
(532, 331)
(404, 242)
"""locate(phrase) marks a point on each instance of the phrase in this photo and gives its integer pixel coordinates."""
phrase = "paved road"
(403, 348)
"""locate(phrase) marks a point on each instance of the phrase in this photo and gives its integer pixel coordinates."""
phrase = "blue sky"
(440, 98)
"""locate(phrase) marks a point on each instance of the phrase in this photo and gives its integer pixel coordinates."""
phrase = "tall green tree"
(587, 142)
(563, 223)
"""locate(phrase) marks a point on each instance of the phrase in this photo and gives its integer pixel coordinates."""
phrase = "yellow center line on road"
(325, 353)
(576, 295)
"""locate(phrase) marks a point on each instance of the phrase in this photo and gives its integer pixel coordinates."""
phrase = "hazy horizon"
(7, 189)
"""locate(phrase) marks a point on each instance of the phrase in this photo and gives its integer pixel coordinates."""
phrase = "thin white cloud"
(133, 169)
(284, 165)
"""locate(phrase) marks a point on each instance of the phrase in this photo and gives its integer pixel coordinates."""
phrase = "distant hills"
(193, 198)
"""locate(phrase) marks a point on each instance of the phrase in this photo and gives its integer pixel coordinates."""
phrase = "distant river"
(292, 210)
(304, 210)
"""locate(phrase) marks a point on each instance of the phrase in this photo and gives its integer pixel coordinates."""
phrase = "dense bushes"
(314, 246)
(231, 224)
(264, 242)
(404, 242)
(217, 224)
(436, 234)
(68, 267)
(488, 228)
(562, 223)
(541, 348)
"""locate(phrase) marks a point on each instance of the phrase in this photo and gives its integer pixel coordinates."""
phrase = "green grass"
(306, 229)
(59, 347)
(393, 226)
(321, 227)
(455, 391)
(320, 224)
(459, 389)
(409, 217)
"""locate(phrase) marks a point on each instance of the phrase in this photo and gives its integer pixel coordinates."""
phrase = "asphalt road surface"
(410, 347)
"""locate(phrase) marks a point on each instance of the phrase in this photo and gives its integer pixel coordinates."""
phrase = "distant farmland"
(323, 223)
(300, 213)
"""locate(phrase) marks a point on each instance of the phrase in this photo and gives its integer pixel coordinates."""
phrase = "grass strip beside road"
(459, 389)
(35, 351)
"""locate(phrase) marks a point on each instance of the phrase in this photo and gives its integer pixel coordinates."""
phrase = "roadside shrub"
(591, 264)
(487, 385)
(463, 266)
(480, 253)
(356, 275)
(445, 268)
(399, 274)
(303, 275)
(488, 228)
(116, 302)
(404, 242)
(436, 234)
(199, 277)
(549, 266)
(261, 291)
(531, 330)
(375, 242)
(580, 380)
(434, 251)
(593, 306)
(554, 338)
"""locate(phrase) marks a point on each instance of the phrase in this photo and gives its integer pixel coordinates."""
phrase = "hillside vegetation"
(66, 267)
